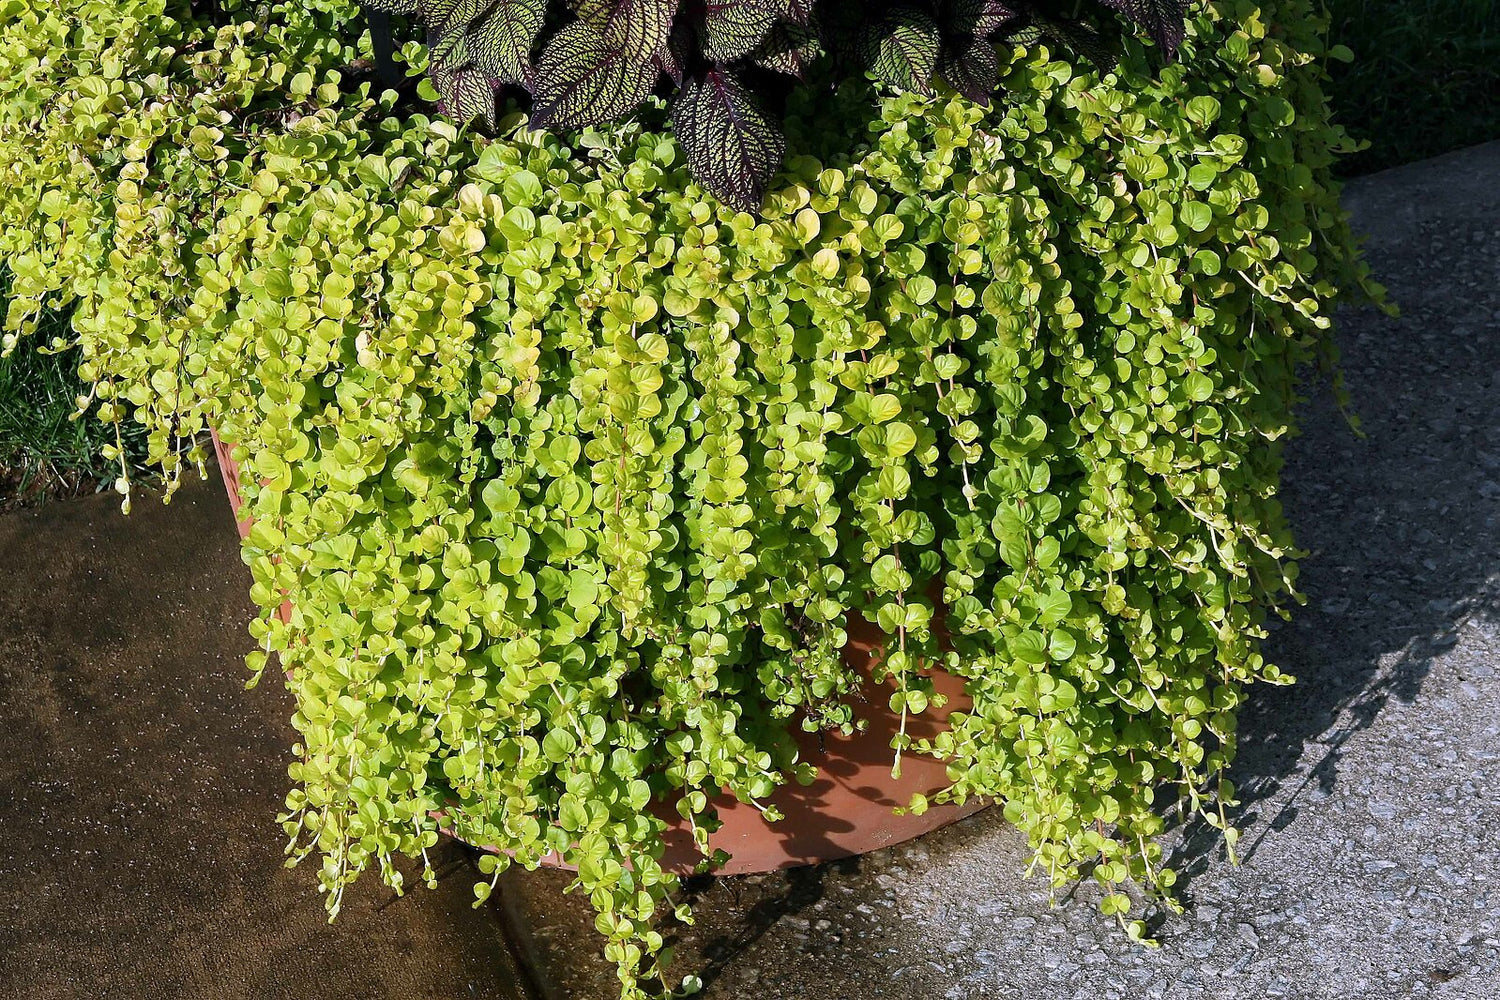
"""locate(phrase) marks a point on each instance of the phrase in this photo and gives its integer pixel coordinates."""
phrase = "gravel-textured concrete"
(1371, 788)
(139, 785)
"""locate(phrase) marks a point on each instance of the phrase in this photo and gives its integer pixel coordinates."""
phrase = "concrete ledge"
(139, 785)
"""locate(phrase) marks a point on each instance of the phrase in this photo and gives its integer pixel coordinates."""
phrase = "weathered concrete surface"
(1371, 788)
(139, 784)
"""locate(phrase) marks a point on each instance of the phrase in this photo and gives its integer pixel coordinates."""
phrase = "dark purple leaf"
(903, 47)
(639, 28)
(446, 17)
(733, 28)
(1162, 19)
(471, 95)
(1076, 35)
(976, 18)
(673, 58)
(733, 146)
(971, 68)
(582, 80)
(501, 38)
(799, 11)
(392, 6)
(787, 48)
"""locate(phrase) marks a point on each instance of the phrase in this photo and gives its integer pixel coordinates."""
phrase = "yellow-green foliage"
(573, 477)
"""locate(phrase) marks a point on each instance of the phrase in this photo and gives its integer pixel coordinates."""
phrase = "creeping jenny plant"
(573, 477)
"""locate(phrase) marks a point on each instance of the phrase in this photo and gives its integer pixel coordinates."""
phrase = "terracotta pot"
(846, 811)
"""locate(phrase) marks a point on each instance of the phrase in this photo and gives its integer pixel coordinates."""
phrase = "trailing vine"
(573, 476)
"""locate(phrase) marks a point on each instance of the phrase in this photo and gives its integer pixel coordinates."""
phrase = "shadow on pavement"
(1400, 526)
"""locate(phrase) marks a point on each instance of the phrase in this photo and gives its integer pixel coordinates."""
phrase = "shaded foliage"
(729, 63)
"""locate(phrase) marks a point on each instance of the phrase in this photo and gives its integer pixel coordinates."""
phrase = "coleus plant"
(726, 64)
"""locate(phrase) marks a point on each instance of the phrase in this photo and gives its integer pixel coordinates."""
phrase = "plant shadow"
(757, 903)
(1401, 528)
